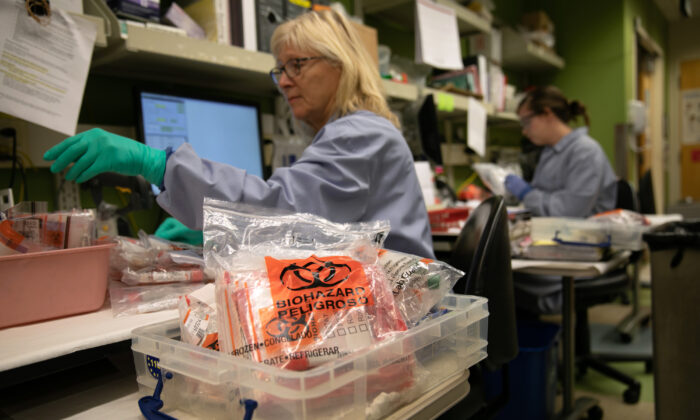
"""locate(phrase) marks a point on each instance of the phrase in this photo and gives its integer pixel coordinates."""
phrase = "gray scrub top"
(357, 168)
(573, 178)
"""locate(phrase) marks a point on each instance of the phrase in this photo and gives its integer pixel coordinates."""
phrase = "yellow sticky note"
(445, 102)
(302, 3)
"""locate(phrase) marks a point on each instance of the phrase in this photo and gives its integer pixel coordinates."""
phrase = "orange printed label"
(306, 293)
(9, 236)
(55, 231)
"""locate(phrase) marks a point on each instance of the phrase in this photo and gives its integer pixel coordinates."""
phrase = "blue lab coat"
(357, 168)
(573, 178)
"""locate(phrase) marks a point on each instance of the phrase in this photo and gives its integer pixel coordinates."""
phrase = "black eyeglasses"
(291, 67)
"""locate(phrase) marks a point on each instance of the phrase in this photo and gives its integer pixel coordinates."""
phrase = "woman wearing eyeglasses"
(573, 177)
(358, 166)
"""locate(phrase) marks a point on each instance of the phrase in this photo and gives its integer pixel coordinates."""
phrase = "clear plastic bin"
(627, 237)
(209, 384)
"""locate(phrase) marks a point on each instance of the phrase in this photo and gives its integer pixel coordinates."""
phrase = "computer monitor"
(429, 132)
(218, 129)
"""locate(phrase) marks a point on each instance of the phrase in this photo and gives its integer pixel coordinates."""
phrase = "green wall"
(40, 185)
(590, 38)
(597, 40)
(655, 25)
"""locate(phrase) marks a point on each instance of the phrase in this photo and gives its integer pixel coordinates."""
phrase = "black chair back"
(646, 194)
(626, 198)
(482, 251)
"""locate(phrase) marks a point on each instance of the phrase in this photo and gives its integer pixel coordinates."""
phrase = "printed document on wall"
(437, 36)
(690, 112)
(43, 67)
(476, 126)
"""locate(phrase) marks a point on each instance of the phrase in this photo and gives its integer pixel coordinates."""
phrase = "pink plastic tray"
(52, 284)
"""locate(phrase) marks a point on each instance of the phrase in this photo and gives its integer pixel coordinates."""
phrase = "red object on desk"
(472, 192)
(443, 220)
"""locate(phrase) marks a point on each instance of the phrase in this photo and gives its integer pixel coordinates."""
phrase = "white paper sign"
(437, 36)
(690, 111)
(476, 126)
(425, 179)
(74, 6)
(43, 68)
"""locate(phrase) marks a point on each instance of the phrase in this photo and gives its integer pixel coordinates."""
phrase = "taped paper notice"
(437, 36)
(43, 68)
(446, 102)
(476, 126)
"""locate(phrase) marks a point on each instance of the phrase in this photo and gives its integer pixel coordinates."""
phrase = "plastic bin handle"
(250, 406)
(150, 405)
(560, 241)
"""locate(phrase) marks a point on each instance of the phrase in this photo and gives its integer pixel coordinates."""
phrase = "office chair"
(589, 293)
(646, 194)
(482, 251)
(628, 200)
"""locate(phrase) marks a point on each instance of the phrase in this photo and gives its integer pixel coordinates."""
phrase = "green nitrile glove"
(173, 230)
(96, 151)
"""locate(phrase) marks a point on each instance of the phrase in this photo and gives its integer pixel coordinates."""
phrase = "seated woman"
(573, 177)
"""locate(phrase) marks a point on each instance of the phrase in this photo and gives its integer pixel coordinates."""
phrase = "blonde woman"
(357, 168)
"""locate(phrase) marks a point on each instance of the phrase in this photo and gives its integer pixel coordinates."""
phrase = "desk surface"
(569, 268)
(27, 344)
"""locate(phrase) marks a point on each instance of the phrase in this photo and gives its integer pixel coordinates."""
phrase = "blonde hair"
(329, 34)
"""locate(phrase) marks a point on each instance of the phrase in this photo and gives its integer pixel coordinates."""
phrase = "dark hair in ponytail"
(551, 97)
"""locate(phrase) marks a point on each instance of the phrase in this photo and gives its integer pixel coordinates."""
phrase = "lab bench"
(62, 367)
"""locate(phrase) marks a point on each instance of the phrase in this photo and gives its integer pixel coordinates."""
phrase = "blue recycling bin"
(533, 374)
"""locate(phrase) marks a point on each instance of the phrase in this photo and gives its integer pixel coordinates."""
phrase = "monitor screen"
(429, 132)
(218, 130)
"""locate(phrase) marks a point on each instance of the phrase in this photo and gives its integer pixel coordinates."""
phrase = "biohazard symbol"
(313, 274)
(289, 328)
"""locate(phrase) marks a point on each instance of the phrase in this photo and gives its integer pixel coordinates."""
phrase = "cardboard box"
(179, 18)
(489, 45)
(368, 36)
(537, 21)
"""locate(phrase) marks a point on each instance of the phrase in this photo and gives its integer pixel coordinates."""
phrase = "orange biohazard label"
(305, 292)
(9, 236)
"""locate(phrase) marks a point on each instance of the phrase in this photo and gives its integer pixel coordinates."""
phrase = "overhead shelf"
(454, 154)
(467, 20)
(521, 54)
(459, 105)
(153, 54)
(402, 91)
(504, 118)
(402, 12)
(454, 105)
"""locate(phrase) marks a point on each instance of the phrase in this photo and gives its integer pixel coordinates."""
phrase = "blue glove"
(96, 151)
(517, 186)
(173, 230)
